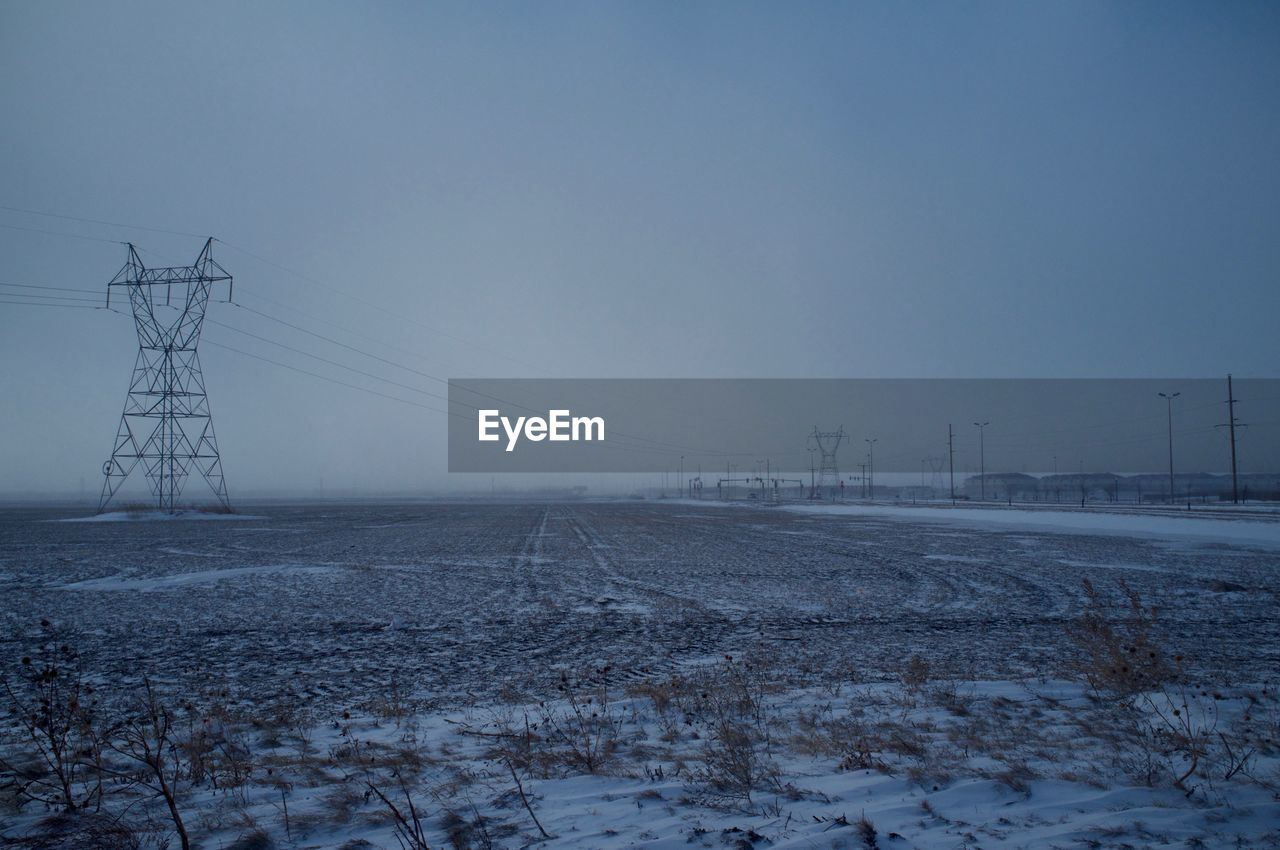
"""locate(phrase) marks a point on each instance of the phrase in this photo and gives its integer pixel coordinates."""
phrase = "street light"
(1169, 407)
(982, 460)
(871, 468)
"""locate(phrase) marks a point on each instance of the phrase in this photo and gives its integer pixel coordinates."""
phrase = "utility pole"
(1231, 426)
(1169, 404)
(812, 483)
(951, 453)
(1231, 420)
(871, 468)
(982, 459)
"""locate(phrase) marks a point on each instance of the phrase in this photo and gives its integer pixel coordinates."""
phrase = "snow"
(159, 516)
(341, 643)
(815, 803)
(180, 580)
(1167, 526)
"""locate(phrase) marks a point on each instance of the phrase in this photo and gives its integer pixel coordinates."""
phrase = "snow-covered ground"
(1247, 529)
(185, 579)
(915, 671)
(158, 516)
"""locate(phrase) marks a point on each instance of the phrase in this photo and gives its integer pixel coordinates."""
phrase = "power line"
(46, 304)
(100, 221)
(339, 327)
(341, 344)
(247, 253)
(362, 389)
(97, 300)
(55, 288)
(672, 447)
(1098, 444)
(424, 357)
(61, 233)
(327, 378)
(617, 444)
(375, 306)
(325, 360)
(372, 305)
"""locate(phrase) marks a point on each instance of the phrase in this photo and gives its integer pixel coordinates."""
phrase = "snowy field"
(756, 676)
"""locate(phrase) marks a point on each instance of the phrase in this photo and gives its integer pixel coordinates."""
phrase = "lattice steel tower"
(166, 425)
(827, 443)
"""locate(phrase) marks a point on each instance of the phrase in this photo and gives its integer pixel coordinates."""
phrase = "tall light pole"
(871, 467)
(982, 459)
(1168, 398)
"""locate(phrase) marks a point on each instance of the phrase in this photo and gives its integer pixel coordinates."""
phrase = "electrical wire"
(372, 305)
(46, 304)
(100, 221)
(61, 233)
(671, 447)
(324, 359)
(329, 379)
(55, 288)
(52, 297)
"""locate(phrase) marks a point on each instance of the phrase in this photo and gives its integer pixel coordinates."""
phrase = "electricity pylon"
(827, 443)
(166, 425)
(935, 465)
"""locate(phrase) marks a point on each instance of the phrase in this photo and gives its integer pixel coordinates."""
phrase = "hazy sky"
(644, 190)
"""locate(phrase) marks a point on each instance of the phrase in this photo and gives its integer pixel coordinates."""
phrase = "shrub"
(56, 758)
(1119, 652)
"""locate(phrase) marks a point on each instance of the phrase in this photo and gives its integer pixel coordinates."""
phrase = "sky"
(757, 190)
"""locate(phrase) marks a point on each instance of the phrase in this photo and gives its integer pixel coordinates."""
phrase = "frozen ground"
(159, 516)
(455, 599)
(1252, 526)
(446, 611)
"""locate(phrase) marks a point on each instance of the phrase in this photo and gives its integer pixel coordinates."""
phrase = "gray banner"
(1029, 426)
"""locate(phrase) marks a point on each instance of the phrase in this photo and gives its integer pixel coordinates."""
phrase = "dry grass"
(1119, 643)
(723, 730)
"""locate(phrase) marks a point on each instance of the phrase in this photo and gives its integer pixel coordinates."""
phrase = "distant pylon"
(166, 425)
(935, 465)
(827, 443)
